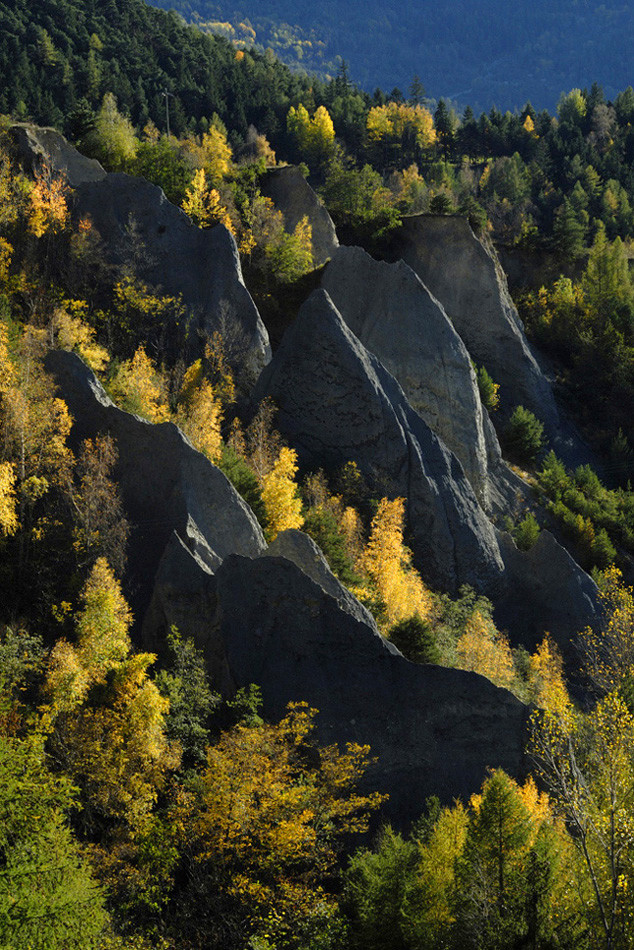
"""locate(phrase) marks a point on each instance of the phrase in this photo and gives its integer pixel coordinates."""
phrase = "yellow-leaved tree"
(315, 137)
(546, 678)
(608, 650)
(71, 332)
(107, 716)
(34, 426)
(484, 650)
(279, 494)
(203, 204)
(8, 500)
(587, 764)
(388, 563)
(137, 387)
(399, 127)
(261, 828)
(199, 414)
(212, 153)
(48, 210)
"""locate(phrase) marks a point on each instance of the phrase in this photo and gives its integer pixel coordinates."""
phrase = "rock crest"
(393, 314)
(293, 196)
(466, 277)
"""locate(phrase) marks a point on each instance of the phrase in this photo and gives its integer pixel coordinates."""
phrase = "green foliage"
(112, 140)
(376, 885)
(415, 639)
(526, 532)
(48, 897)
(523, 435)
(244, 481)
(488, 389)
(358, 200)
(160, 162)
(499, 874)
(21, 662)
(441, 204)
(323, 528)
(191, 702)
(590, 515)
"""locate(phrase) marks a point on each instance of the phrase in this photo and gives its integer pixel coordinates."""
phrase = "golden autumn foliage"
(548, 686)
(7, 369)
(71, 332)
(315, 136)
(48, 211)
(6, 256)
(587, 764)
(432, 892)
(8, 500)
(192, 379)
(200, 419)
(264, 825)
(203, 204)
(352, 530)
(529, 125)
(395, 120)
(219, 370)
(482, 649)
(34, 423)
(111, 741)
(387, 562)
(137, 387)
(211, 153)
(608, 650)
(279, 494)
(141, 314)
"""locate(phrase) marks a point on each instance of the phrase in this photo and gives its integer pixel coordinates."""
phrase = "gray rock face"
(393, 314)
(434, 730)
(166, 485)
(545, 574)
(264, 621)
(37, 146)
(293, 196)
(468, 280)
(200, 266)
(338, 403)
(299, 548)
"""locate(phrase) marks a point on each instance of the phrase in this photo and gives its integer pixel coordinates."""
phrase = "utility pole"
(166, 95)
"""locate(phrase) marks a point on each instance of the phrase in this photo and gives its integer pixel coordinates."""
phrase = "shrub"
(414, 638)
(489, 391)
(524, 435)
(527, 532)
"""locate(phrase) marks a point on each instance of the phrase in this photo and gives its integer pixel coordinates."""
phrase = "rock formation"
(434, 730)
(145, 235)
(166, 485)
(264, 621)
(468, 280)
(299, 548)
(545, 575)
(280, 619)
(338, 403)
(141, 229)
(37, 146)
(293, 196)
(395, 317)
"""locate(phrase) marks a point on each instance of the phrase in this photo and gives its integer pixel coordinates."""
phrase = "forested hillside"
(475, 53)
(316, 630)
